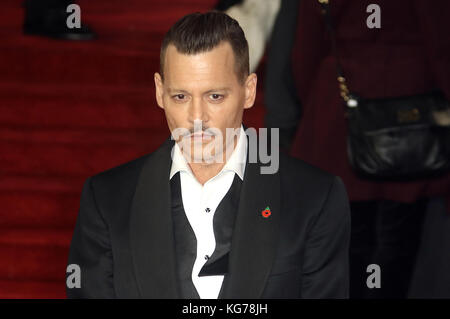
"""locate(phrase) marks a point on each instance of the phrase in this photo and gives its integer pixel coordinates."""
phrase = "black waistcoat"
(186, 243)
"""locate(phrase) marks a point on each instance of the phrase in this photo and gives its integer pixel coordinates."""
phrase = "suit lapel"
(151, 232)
(255, 237)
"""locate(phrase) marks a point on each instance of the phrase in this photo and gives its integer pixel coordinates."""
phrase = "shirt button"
(207, 210)
(206, 257)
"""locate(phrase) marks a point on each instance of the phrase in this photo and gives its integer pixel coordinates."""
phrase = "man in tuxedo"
(176, 224)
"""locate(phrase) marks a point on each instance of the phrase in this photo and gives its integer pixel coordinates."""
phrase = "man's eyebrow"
(170, 90)
(176, 90)
(219, 89)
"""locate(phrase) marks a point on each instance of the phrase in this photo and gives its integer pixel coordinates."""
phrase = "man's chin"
(204, 157)
(201, 150)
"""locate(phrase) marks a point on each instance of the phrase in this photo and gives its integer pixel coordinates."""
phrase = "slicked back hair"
(201, 32)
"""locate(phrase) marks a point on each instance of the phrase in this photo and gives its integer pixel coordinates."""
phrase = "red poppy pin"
(266, 212)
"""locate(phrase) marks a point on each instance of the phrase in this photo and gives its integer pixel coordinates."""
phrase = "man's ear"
(250, 90)
(159, 89)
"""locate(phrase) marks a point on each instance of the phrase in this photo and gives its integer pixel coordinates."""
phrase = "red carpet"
(69, 110)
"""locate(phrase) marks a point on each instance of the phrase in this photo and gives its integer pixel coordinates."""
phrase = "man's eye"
(179, 96)
(216, 97)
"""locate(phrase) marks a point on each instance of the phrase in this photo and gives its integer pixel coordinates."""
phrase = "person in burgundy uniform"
(409, 54)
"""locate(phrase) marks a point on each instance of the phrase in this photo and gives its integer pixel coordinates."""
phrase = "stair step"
(99, 107)
(70, 159)
(32, 289)
(41, 184)
(42, 237)
(27, 208)
(75, 65)
(72, 137)
(34, 254)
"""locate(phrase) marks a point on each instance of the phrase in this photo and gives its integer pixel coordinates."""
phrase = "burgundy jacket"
(409, 54)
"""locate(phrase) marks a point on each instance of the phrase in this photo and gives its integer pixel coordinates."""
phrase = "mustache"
(195, 131)
(204, 130)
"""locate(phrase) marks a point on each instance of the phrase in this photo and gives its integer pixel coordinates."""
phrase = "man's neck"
(203, 172)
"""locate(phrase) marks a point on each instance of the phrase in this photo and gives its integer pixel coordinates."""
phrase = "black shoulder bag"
(399, 138)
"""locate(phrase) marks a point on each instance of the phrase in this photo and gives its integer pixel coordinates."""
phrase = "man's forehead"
(208, 71)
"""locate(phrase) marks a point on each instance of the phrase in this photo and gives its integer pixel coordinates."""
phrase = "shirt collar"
(235, 163)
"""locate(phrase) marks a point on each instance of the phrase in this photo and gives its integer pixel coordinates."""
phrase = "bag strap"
(348, 98)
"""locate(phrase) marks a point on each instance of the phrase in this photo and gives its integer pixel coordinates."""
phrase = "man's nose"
(198, 110)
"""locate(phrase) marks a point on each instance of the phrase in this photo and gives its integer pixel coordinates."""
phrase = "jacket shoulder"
(113, 189)
(308, 183)
(120, 173)
(295, 169)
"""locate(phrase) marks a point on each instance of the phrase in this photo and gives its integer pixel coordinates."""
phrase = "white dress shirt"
(200, 203)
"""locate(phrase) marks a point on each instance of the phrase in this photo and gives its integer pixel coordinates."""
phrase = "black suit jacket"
(124, 242)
